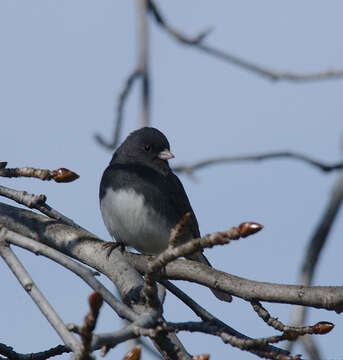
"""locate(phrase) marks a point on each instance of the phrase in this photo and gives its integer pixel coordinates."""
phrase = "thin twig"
(131, 343)
(206, 316)
(141, 71)
(120, 111)
(37, 202)
(150, 287)
(266, 317)
(268, 73)
(313, 251)
(207, 241)
(173, 252)
(178, 230)
(22, 197)
(249, 345)
(141, 326)
(95, 302)
(59, 175)
(142, 60)
(293, 332)
(190, 168)
(209, 327)
(42, 355)
(197, 43)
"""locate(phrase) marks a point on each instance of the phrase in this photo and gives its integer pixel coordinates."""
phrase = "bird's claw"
(110, 246)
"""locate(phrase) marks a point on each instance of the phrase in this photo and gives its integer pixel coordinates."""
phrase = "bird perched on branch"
(141, 199)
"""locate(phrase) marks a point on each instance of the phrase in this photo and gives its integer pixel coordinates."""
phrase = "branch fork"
(176, 250)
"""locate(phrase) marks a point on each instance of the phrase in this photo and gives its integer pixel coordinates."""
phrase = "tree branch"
(190, 247)
(197, 43)
(37, 202)
(142, 61)
(206, 316)
(175, 250)
(131, 331)
(95, 302)
(243, 344)
(141, 72)
(120, 111)
(208, 327)
(43, 355)
(88, 249)
(190, 168)
(322, 327)
(83, 272)
(59, 175)
(27, 283)
(324, 297)
(312, 253)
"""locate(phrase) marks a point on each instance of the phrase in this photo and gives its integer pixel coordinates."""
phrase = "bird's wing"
(181, 205)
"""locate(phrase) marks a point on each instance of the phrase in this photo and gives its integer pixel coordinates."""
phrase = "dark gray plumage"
(141, 199)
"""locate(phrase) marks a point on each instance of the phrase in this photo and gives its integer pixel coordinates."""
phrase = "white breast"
(131, 221)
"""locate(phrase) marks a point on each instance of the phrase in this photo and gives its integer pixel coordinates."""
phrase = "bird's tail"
(200, 257)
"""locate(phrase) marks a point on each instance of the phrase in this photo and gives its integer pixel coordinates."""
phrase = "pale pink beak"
(165, 155)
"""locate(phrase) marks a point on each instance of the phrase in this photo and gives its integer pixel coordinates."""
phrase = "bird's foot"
(110, 246)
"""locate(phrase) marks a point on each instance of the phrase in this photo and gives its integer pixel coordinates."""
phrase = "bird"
(141, 199)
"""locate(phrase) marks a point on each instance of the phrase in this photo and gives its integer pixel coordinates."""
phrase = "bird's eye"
(147, 147)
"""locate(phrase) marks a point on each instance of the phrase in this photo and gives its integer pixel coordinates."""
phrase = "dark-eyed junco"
(141, 199)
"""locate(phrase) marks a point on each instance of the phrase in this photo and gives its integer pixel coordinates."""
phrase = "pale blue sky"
(62, 66)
